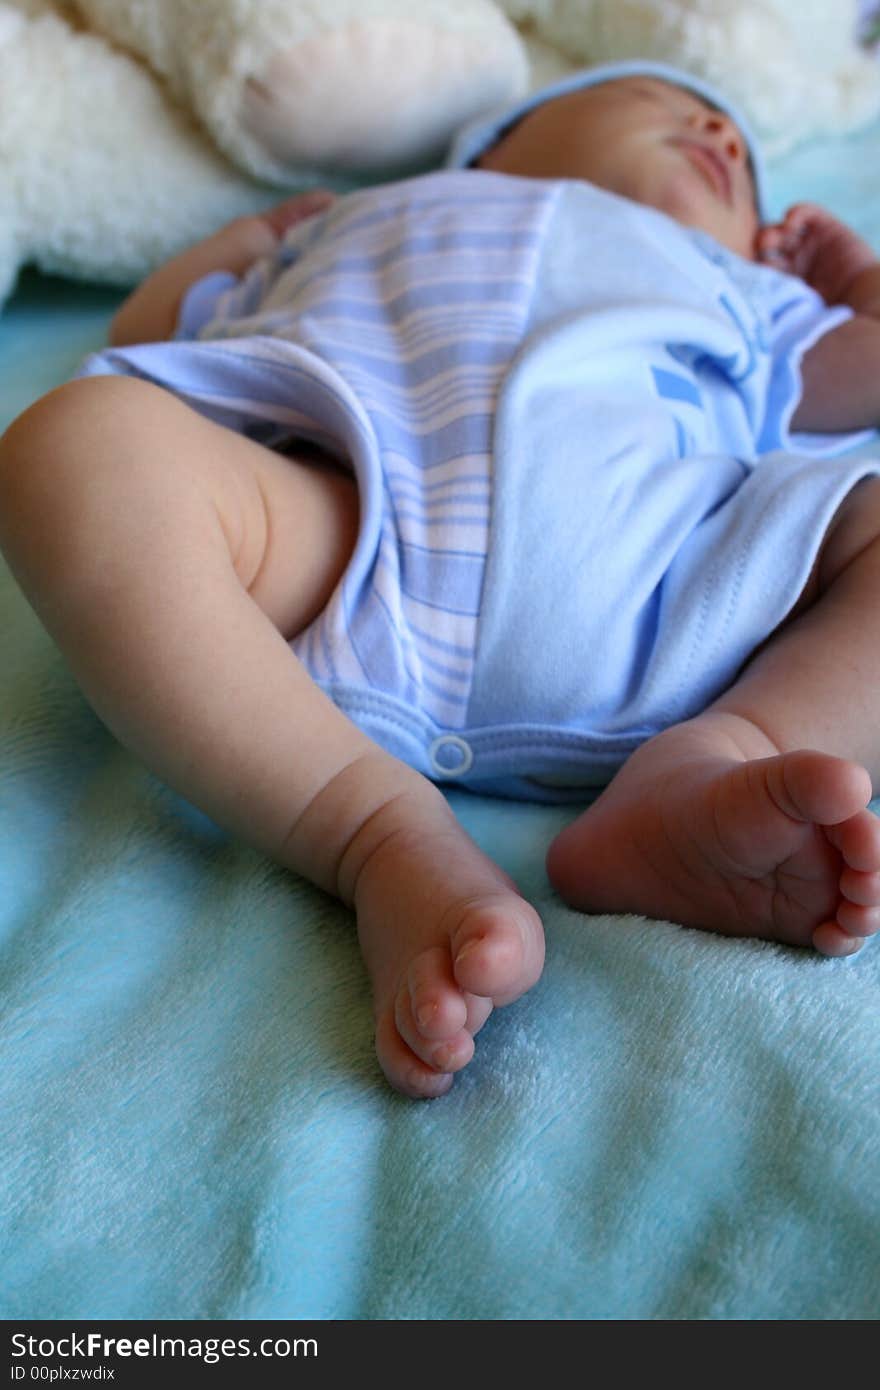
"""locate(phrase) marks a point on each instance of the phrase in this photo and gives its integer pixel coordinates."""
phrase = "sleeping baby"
(517, 476)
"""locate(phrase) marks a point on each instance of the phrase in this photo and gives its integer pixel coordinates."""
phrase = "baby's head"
(641, 131)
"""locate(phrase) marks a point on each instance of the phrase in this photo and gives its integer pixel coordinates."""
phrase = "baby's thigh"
(298, 522)
(855, 528)
(287, 523)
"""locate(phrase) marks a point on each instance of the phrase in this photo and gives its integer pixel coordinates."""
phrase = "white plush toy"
(129, 128)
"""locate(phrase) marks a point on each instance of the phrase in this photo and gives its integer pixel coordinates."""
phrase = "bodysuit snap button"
(450, 756)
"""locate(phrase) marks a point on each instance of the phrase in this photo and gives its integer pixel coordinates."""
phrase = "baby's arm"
(150, 313)
(841, 373)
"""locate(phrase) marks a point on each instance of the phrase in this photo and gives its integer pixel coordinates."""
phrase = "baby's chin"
(684, 197)
(736, 233)
(743, 246)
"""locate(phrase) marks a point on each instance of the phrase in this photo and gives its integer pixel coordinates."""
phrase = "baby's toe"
(438, 1006)
(858, 840)
(831, 940)
(816, 787)
(858, 921)
(498, 949)
(861, 888)
(447, 1054)
(405, 1071)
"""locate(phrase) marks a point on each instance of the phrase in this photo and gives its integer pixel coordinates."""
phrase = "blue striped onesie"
(581, 505)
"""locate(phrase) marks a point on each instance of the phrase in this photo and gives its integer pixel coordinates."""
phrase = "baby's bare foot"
(445, 937)
(780, 847)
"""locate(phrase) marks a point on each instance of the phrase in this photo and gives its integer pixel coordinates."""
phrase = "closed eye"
(649, 93)
(674, 99)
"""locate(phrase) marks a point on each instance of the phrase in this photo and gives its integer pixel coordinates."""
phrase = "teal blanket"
(671, 1125)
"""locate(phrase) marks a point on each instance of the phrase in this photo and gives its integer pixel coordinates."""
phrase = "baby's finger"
(297, 209)
(771, 234)
(771, 244)
(774, 256)
(801, 216)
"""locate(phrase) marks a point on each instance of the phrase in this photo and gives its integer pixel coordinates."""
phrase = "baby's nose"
(724, 132)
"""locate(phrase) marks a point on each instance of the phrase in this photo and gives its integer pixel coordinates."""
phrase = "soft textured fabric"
(287, 87)
(565, 414)
(129, 128)
(192, 1122)
(796, 68)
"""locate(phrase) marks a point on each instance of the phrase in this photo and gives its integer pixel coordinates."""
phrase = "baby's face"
(644, 139)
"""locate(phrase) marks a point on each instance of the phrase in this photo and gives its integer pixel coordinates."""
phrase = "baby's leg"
(171, 559)
(751, 819)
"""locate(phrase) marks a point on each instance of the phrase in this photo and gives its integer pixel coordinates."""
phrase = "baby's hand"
(297, 209)
(822, 250)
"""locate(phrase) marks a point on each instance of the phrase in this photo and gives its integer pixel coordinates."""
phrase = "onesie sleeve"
(797, 317)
